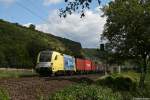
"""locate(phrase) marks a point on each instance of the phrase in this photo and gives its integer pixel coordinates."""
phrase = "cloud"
(86, 30)
(27, 25)
(7, 1)
(48, 2)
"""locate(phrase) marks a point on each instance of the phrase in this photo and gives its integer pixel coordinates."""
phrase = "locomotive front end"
(44, 65)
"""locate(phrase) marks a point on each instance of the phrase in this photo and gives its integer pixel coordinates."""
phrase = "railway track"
(73, 76)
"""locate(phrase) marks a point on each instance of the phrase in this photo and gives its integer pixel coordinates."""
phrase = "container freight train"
(52, 62)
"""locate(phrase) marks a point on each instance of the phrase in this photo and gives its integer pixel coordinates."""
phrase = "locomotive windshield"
(45, 56)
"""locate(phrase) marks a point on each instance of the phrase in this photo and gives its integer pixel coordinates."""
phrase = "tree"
(76, 5)
(32, 26)
(34, 47)
(128, 30)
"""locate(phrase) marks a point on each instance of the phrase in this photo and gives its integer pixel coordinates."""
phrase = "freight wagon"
(52, 62)
(83, 65)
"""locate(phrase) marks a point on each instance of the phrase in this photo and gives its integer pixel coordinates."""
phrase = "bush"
(86, 92)
(124, 83)
(118, 83)
(109, 81)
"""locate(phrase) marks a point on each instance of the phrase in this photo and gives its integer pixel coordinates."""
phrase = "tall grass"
(4, 94)
(86, 92)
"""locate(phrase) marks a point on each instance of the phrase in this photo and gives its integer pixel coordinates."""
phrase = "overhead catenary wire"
(32, 12)
(35, 14)
(35, 6)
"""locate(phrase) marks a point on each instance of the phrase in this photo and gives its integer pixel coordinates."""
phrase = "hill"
(19, 45)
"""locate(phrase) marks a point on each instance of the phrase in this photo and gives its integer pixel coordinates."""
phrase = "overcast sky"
(44, 14)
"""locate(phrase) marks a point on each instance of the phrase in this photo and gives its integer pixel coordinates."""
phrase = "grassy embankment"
(17, 73)
(113, 87)
(122, 86)
(4, 94)
(9, 73)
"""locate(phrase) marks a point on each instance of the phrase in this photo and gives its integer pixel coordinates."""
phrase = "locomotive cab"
(49, 62)
(44, 64)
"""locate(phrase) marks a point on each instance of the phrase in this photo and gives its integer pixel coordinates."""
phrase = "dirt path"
(33, 88)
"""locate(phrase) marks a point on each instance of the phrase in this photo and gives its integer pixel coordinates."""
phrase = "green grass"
(86, 92)
(134, 75)
(147, 79)
(4, 94)
(16, 74)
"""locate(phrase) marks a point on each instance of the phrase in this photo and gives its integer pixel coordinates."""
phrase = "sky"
(44, 14)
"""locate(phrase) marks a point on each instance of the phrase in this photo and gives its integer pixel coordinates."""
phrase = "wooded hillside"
(19, 45)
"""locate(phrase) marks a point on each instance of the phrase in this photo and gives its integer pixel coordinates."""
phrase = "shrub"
(124, 83)
(86, 92)
(118, 83)
(107, 81)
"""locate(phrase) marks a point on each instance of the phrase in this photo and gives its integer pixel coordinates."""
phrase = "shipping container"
(88, 65)
(79, 64)
(69, 63)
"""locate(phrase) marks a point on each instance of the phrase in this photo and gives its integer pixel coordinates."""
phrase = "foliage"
(19, 46)
(31, 26)
(86, 92)
(131, 74)
(3, 94)
(71, 47)
(76, 5)
(91, 53)
(127, 30)
(118, 83)
(124, 83)
(99, 56)
(113, 87)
